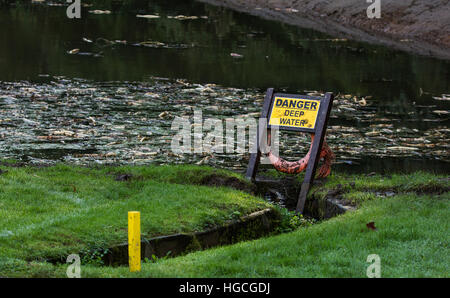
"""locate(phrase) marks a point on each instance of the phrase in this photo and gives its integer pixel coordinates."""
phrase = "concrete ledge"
(252, 226)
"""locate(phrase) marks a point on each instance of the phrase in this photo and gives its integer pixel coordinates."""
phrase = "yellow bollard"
(134, 240)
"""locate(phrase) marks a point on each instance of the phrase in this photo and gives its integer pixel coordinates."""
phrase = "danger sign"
(294, 112)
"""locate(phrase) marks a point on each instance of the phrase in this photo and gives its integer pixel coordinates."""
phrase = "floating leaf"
(236, 55)
(182, 17)
(148, 16)
(439, 112)
(164, 114)
(97, 11)
(74, 51)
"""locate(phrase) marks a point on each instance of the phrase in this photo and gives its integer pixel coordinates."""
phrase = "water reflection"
(35, 40)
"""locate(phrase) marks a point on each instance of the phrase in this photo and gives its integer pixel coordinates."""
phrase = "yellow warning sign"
(294, 112)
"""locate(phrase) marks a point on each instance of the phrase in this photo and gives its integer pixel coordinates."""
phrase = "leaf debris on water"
(82, 122)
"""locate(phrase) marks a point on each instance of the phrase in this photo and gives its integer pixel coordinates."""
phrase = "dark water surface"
(404, 89)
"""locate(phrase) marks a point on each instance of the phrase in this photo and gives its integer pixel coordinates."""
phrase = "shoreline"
(403, 27)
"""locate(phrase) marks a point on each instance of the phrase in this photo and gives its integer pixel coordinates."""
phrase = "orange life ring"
(298, 166)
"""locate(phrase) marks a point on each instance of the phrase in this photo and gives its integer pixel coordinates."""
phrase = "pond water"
(57, 72)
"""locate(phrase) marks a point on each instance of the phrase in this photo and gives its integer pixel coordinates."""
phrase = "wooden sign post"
(296, 113)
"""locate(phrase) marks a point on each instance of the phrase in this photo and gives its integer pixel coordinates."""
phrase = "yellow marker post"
(134, 240)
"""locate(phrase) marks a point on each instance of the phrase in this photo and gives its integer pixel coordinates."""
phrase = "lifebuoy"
(298, 166)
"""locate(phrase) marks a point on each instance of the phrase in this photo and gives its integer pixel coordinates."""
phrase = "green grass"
(46, 213)
(420, 182)
(356, 189)
(412, 236)
(412, 240)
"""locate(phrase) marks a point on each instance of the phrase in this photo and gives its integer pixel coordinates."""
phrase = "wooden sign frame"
(319, 130)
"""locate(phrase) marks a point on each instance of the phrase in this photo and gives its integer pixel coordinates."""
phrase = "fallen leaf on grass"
(371, 226)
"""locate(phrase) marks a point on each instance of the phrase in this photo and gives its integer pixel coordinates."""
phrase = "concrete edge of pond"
(253, 226)
(248, 227)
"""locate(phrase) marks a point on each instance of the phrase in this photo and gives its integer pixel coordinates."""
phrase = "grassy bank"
(51, 212)
(410, 214)
(411, 237)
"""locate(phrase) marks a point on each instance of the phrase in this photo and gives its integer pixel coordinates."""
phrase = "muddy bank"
(418, 26)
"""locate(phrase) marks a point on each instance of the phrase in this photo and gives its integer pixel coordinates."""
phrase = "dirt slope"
(419, 26)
